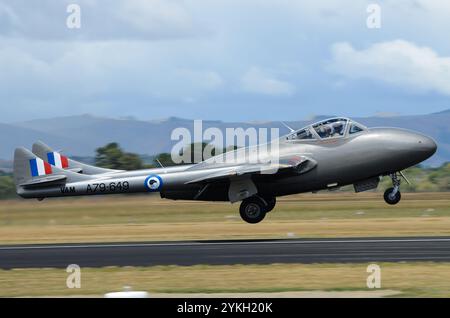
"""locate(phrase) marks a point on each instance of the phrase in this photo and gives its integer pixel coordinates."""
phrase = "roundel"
(153, 183)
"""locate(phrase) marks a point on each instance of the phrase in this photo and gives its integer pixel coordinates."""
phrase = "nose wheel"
(392, 195)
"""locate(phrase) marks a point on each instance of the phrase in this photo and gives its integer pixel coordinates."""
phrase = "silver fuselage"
(340, 161)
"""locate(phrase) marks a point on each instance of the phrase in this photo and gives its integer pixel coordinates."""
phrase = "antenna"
(165, 171)
(285, 125)
(160, 163)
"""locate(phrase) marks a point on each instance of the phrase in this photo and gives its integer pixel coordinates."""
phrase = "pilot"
(337, 129)
(331, 130)
(322, 131)
(307, 135)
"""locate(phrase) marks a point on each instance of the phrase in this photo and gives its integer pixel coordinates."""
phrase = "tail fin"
(31, 171)
(62, 162)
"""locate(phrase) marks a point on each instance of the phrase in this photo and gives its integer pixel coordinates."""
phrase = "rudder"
(60, 161)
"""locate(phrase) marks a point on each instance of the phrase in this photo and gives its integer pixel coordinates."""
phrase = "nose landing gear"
(392, 195)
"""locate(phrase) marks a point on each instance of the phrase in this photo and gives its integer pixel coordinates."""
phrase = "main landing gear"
(392, 195)
(253, 210)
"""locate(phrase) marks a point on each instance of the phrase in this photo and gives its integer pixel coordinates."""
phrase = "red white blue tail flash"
(39, 167)
(58, 160)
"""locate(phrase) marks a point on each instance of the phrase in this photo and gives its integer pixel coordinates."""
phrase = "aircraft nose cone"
(424, 146)
(427, 145)
(401, 148)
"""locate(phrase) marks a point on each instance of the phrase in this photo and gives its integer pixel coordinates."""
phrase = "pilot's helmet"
(338, 126)
(330, 129)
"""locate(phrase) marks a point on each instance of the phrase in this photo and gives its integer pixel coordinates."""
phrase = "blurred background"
(107, 82)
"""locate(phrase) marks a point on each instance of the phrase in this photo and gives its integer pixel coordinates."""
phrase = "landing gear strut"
(254, 209)
(270, 203)
(392, 195)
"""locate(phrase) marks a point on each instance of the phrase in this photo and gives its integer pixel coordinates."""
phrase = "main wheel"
(389, 198)
(252, 210)
(271, 201)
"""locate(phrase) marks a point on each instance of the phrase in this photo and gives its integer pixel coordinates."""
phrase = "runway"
(335, 250)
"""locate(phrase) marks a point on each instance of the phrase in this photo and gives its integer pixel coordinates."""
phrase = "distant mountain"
(447, 111)
(81, 135)
(12, 136)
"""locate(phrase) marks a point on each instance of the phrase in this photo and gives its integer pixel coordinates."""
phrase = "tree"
(130, 161)
(203, 151)
(196, 151)
(192, 153)
(165, 159)
(113, 157)
(3, 173)
(7, 187)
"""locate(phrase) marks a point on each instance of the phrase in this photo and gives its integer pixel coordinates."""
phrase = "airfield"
(184, 253)
(311, 243)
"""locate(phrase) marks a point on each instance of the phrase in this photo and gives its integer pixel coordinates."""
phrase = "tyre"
(252, 210)
(392, 199)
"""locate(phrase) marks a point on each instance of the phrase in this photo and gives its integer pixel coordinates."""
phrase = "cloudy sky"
(223, 59)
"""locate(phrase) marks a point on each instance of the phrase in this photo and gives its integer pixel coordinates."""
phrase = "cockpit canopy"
(329, 128)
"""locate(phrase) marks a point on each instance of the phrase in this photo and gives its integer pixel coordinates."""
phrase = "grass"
(139, 218)
(411, 279)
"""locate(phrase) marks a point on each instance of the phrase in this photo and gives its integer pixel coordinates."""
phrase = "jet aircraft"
(325, 155)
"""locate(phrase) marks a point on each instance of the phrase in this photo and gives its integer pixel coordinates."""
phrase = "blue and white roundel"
(153, 183)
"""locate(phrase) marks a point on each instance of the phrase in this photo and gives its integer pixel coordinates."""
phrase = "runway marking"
(400, 240)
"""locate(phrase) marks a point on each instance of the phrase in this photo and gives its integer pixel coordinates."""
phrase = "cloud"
(158, 58)
(116, 77)
(100, 20)
(256, 80)
(207, 80)
(157, 18)
(398, 62)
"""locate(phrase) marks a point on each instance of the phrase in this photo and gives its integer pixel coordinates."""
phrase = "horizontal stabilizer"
(44, 181)
(76, 170)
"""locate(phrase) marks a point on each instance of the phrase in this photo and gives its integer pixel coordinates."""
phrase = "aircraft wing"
(297, 164)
